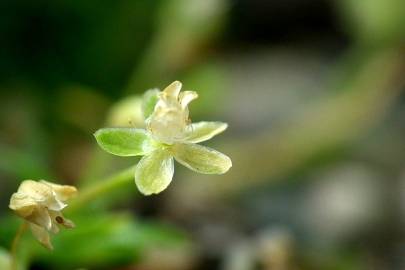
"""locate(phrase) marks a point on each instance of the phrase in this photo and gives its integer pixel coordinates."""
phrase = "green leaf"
(154, 172)
(202, 131)
(125, 141)
(201, 159)
(150, 98)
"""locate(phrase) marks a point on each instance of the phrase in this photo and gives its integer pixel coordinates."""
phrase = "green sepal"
(154, 172)
(125, 141)
(201, 159)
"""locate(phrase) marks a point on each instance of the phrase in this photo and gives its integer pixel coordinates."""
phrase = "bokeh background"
(312, 92)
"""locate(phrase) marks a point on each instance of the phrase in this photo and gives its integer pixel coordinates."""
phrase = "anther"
(59, 219)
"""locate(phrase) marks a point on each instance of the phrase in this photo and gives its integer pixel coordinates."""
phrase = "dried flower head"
(169, 135)
(40, 203)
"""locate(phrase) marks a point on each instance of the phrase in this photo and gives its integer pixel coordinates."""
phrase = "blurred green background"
(312, 91)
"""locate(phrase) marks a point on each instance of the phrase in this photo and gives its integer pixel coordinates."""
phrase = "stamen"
(59, 219)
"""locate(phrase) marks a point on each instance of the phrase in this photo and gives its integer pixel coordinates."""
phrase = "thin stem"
(97, 189)
(15, 244)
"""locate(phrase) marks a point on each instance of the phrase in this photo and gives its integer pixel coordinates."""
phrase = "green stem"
(95, 190)
(15, 244)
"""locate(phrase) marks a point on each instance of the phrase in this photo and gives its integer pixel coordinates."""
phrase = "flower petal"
(40, 217)
(202, 131)
(186, 97)
(54, 203)
(172, 91)
(124, 141)
(63, 192)
(42, 193)
(201, 159)
(154, 172)
(41, 235)
(37, 191)
(22, 204)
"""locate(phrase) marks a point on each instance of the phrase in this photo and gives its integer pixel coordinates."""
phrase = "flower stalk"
(14, 246)
(113, 182)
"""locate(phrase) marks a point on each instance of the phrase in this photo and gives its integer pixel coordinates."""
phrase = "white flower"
(40, 203)
(170, 118)
(169, 135)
